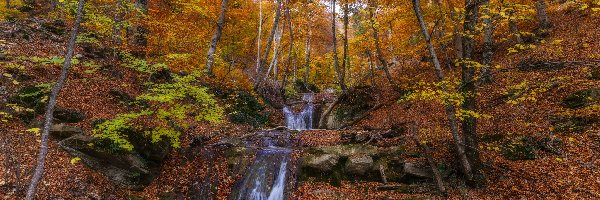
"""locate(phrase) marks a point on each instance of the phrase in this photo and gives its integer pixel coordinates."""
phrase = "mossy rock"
(595, 75)
(572, 124)
(582, 98)
(33, 97)
(520, 150)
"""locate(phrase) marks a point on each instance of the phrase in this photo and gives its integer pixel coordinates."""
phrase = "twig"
(425, 149)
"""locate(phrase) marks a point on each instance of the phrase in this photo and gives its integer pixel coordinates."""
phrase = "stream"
(266, 178)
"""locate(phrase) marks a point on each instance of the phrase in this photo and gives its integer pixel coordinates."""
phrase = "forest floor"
(574, 173)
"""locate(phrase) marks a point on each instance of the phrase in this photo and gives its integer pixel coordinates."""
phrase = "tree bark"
(514, 29)
(450, 109)
(469, 92)
(291, 49)
(262, 68)
(488, 45)
(307, 56)
(258, 37)
(215, 39)
(544, 22)
(39, 169)
(346, 59)
(7, 4)
(141, 32)
(336, 65)
(427, 152)
(378, 50)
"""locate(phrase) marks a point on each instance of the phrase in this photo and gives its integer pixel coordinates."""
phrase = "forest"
(299, 99)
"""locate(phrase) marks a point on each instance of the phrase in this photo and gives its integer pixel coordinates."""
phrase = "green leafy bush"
(173, 105)
(246, 109)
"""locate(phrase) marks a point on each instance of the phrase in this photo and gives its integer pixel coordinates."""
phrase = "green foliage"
(246, 109)
(141, 65)
(522, 149)
(173, 105)
(54, 60)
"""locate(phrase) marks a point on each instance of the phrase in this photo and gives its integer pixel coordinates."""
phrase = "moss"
(489, 138)
(582, 98)
(595, 75)
(519, 150)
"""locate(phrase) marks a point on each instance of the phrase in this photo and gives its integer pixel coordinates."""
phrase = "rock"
(348, 150)
(322, 163)
(359, 164)
(539, 65)
(162, 75)
(582, 98)
(63, 131)
(394, 132)
(572, 123)
(62, 115)
(121, 96)
(414, 170)
(127, 169)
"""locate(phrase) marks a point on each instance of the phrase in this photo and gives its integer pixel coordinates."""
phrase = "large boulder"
(65, 115)
(322, 163)
(359, 164)
(127, 169)
(62, 131)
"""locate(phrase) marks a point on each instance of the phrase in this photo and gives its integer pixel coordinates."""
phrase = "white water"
(265, 172)
(302, 120)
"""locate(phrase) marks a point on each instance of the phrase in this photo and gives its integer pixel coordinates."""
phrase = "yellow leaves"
(556, 42)
(7, 75)
(559, 159)
(33, 130)
(571, 139)
(75, 160)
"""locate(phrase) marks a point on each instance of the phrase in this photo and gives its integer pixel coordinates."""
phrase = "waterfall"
(267, 177)
(302, 120)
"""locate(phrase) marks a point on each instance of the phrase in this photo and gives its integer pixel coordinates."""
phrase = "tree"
(488, 44)
(336, 65)
(543, 20)
(449, 107)
(261, 70)
(345, 57)
(215, 38)
(39, 169)
(379, 52)
(469, 92)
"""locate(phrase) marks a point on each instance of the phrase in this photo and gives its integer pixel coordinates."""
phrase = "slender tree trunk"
(215, 39)
(450, 109)
(291, 49)
(117, 29)
(469, 92)
(276, 51)
(258, 38)
(336, 65)
(544, 22)
(488, 44)
(456, 34)
(378, 50)
(427, 152)
(514, 29)
(346, 61)
(262, 68)
(307, 56)
(7, 4)
(39, 169)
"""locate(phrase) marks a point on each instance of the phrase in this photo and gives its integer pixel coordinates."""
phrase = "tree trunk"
(514, 29)
(258, 37)
(141, 33)
(117, 28)
(456, 34)
(544, 22)
(307, 56)
(346, 59)
(336, 65)
(7, 4)
(291, 49)
(39, 169)
(427, 152)
(262, 71)
(276, 51)
(378, 50)
(469, 92)
(215, 38)
(449, 107)
(488, 45)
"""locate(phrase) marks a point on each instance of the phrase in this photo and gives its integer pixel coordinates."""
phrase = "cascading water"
(302, 120)
(267, 177)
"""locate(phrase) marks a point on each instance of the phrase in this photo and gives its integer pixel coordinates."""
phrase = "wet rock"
(127, 169)
(62, 115)
(62, 131)
(582, 98)
(359, 164)
(323, 163)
